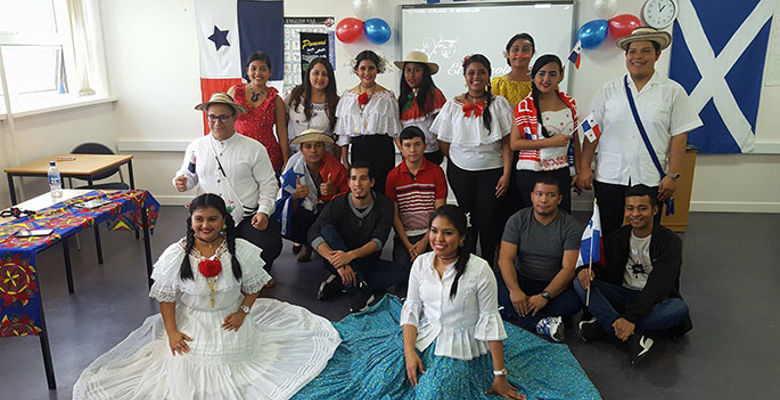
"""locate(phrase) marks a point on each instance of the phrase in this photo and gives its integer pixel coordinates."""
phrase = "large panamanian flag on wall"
(718, 53)
(228, 32)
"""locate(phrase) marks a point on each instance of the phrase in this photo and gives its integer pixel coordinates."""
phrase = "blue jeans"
(607, 300)
(564, 304)
(378, 274)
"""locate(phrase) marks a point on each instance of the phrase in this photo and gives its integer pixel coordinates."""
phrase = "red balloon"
(349, 29)
(622, 25)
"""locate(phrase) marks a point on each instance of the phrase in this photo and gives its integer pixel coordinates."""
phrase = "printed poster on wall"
(313, 45)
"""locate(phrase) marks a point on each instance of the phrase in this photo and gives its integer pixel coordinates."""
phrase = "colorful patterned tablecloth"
(20, 302)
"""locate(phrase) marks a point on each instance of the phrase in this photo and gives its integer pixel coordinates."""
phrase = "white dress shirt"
(251, 184)
(665, 111)
(461, 326)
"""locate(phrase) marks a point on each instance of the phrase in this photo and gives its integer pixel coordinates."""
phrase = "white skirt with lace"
(278, 349)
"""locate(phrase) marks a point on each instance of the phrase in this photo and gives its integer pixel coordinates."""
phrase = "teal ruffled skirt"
(369, 364)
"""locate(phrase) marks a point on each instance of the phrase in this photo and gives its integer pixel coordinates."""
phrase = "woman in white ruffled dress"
(367, 119)
(213, 339)
(473, 129)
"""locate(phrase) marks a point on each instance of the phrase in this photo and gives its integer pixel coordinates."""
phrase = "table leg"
(132, 185)
(68, 270)
(98, 247)
(12, 189)
(46, 351)
(147, 244)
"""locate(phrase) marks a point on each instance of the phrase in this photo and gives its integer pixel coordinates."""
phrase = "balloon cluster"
(593, 33)
(350, 29)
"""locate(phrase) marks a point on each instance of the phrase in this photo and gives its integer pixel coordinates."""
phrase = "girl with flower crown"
(214, 339)
(473, 129)
(367, 120)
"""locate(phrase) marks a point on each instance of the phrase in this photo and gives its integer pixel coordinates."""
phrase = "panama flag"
(591, 244)
(228, 32)
(590, 128)
(576, 54)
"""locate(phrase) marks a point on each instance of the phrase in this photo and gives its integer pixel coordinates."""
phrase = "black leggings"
(377, 150)
(476, 195)
(527, 178)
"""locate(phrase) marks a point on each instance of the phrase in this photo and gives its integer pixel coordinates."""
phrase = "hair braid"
(185, 270)
(486, 117)
(460, 268)
(230, 231)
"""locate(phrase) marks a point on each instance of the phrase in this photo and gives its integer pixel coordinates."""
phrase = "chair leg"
(78, 242)
(98, 247)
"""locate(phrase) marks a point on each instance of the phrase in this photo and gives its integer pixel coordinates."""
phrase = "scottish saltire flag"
(718, 53)
(591, 245)
(590, 128)
(576, 54)
(228, 32)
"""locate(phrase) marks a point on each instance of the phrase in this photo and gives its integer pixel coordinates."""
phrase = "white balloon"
(363, 8)
(604, 8)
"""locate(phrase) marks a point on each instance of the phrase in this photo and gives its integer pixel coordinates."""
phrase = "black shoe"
(363, 298)
(297, 248)
(639, 346)
(304, 254)
(590, 330)
(329, 287)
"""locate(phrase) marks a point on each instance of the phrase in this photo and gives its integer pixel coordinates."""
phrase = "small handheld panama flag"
(590, 246)
(590, 128)
(576, 54)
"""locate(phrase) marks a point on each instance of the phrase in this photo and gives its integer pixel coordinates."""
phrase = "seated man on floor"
(349, 234)
(313, 178)
(537, 258)
(236, 168)
(639, 289)
(417, 188)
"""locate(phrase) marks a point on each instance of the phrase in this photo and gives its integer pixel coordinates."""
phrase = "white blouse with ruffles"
(169, 287)
(472, 146)
(461, 326)
(378, 117)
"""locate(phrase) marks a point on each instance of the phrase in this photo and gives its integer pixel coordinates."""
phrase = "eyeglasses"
(16, 212)
(221, 118)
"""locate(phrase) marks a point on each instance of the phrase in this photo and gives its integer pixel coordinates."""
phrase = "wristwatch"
(545, 294)
(675, 176)
(501, 372)
(244, 308)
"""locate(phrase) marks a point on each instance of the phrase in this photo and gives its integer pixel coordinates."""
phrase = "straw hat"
(312, 135)
(420, 58)
(221, 98)
(644, 33)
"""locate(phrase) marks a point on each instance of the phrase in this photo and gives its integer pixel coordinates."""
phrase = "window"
(49, 54)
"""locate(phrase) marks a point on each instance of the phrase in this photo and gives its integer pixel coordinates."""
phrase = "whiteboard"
(448, 32)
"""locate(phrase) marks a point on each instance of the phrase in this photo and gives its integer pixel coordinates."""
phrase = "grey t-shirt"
(540, 248)
(638, 266)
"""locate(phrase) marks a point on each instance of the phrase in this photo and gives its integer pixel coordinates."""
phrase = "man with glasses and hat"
(238, 169)
(313, 177)
(644, 119)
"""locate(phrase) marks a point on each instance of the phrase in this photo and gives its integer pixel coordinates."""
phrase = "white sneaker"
(551, 327)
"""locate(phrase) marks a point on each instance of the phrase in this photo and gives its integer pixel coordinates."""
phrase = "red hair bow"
(477, 108)
(363, 99)
(210, 268)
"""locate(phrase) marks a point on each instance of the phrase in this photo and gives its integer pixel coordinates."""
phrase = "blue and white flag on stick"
(590, 246)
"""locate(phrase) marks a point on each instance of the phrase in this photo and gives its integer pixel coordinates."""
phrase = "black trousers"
(435, 157)
(377, 150)
(527, 178)
(612, 201)
(270, 240)
(476, 195)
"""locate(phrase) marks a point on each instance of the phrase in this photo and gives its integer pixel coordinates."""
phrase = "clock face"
(659, 14)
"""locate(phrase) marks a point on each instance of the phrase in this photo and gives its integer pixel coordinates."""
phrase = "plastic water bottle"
(55, 181)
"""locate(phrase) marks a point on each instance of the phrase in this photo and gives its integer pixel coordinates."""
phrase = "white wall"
(153, 65)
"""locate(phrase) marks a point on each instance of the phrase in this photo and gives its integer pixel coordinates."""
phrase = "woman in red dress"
(265, 109)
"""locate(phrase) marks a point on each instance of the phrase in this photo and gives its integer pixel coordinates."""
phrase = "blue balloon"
(593, 33)
(377, 30)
